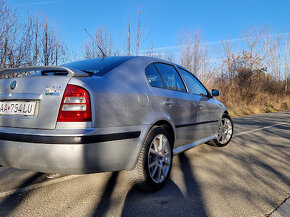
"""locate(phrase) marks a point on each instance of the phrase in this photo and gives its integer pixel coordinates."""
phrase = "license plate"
(17, 108)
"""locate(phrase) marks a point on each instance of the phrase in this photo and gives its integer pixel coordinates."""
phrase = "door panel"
(174, 100)
(205, 108)
(207, 117)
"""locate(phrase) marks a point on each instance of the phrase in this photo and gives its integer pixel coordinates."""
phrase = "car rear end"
(46, 124)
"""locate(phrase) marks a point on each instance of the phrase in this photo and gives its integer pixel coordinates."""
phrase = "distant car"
(110, 114)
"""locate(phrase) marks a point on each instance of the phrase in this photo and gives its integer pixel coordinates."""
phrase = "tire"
(226, 129)
(148, 173)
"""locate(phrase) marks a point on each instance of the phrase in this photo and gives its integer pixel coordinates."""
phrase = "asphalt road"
(249, 177)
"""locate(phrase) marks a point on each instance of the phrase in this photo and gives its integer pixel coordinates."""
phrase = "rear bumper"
(71, 154)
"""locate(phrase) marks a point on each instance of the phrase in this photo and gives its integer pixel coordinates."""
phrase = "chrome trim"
(20, 96)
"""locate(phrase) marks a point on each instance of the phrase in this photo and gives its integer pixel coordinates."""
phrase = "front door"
(204, 106)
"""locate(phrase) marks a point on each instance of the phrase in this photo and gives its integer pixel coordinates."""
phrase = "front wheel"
(155, 160)
(225, 132)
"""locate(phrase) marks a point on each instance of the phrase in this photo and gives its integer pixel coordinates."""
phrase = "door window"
(193, 85)
(153, 76)
(170, 77)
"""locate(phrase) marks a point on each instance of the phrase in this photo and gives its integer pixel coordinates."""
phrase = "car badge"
(13, 85)
(52, 90)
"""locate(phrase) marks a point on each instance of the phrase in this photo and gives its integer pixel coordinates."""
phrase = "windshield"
(99, 66)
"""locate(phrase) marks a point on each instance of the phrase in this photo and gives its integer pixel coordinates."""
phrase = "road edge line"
(250, 131)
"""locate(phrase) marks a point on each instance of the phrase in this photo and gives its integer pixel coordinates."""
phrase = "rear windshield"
(99, 66)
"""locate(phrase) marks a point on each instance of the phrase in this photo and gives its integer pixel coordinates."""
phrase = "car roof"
(100, 66)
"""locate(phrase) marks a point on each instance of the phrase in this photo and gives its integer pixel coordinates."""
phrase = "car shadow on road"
(170, 200)
(105, 202)
(11, 202)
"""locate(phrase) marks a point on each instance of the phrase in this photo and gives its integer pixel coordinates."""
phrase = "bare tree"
(287, 49)
(251, 37)
(228, 55)
(273, 52)
(194, 53)
(138, 37)
(187, 52)
(134, 34)
(8, 33)
(35, 42)
(28, 42)
(46, 43)
(129, 37)
(200, 55)
(53, 50)
(24, 53)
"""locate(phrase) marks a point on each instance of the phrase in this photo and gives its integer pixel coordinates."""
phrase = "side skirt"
(191, 145)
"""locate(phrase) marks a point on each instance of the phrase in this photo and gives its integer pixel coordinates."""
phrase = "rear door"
(31, 101)
(205, 108)
(175, 101)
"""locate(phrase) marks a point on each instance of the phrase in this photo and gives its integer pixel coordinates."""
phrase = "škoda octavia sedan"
(110, 114)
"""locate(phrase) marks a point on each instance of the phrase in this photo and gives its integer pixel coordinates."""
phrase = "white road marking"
(250, 131)
(38, 185)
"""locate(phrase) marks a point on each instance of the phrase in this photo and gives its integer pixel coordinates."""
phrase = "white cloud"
(36, 3)
(211, 43)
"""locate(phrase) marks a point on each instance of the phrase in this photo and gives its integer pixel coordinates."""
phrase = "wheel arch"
(161, 122)
(168, 127)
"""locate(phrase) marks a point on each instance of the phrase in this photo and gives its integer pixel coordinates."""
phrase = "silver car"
(110, 114)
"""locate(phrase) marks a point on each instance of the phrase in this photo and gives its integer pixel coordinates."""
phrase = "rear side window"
(153, 76)
(193, 85)
(170, 77)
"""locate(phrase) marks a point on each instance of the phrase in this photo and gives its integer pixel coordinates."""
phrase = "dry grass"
(261, 103)
(258, 109)
(260, 96)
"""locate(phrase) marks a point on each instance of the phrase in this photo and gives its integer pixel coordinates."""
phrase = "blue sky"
(161, 20)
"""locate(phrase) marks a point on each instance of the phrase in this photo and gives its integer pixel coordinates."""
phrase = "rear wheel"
(225, 132)
(155, 160)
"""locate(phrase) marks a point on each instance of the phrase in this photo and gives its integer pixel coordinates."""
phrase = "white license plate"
(17, 108)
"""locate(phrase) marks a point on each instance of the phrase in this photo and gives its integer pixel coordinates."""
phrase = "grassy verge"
(268, 104)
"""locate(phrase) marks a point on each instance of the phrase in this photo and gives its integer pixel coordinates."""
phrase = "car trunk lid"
(31, 97)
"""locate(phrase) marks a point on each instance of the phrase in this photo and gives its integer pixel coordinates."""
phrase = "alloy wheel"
(225, 131)
(159, 158)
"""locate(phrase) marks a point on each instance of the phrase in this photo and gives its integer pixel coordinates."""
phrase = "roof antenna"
(104, 55)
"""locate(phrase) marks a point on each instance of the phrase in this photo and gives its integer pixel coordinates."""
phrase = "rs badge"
(52, 90)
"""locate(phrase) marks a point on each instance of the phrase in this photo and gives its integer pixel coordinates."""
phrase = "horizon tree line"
(36, 41)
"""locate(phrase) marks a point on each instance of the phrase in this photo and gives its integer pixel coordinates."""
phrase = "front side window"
(193, 85)
(153, 76)
(170, 77)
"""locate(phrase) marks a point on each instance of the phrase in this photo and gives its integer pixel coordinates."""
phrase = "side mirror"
(215, 92)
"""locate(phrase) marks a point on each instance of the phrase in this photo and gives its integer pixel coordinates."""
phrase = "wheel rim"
(159, 158)
(225, 131)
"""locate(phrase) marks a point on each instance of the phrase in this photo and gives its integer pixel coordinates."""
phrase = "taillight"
(75, 105)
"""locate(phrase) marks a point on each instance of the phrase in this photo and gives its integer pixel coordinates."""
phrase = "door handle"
(168, 103)
(199, 106)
